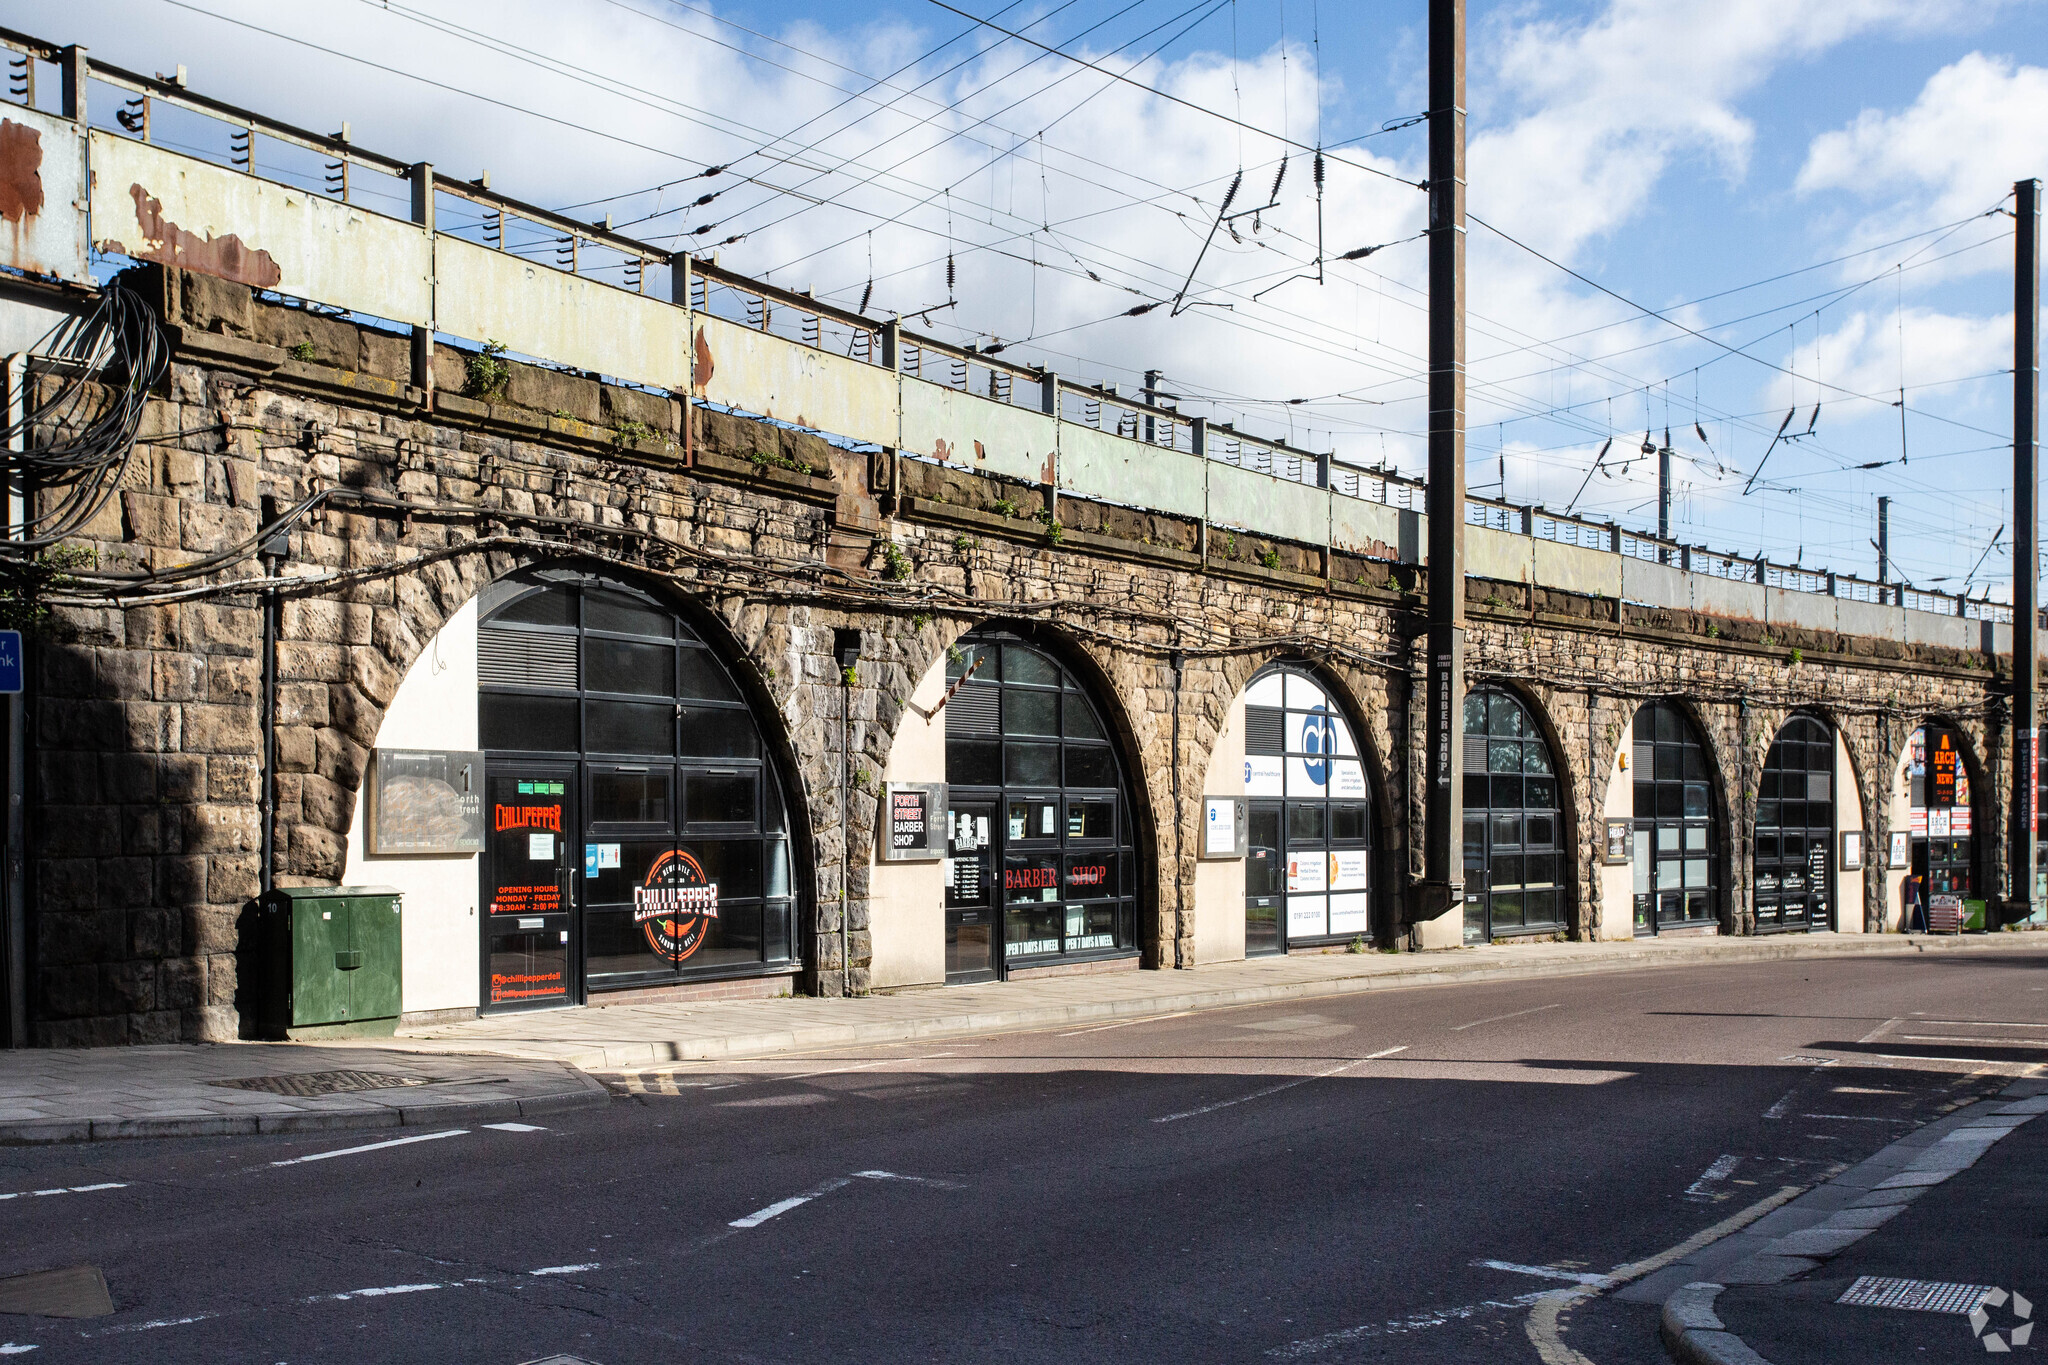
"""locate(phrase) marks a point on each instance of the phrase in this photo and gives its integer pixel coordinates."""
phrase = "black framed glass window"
(1306, 782)
(1943, 827)
(1514, 824)
(1795, 828)
(1675, 828)
(683, 832)
(1023, 735)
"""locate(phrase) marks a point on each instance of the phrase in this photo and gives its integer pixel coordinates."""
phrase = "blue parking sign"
(10, 661)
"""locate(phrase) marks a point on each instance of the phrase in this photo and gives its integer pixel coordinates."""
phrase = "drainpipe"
(14, 878)
(846, 650)
(1180, 660)
(273, 550)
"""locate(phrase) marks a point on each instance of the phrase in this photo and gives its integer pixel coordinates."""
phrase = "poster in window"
(1852, 850)
(1307, 916)
(426, 801)
(1347, 781)
(1223, 827)
(1350, 914)
(1262, 776)
(1941, 772)
(915, 821)
(1307, 872)
(1349, 871)
(1616, 853)
(1899, 853)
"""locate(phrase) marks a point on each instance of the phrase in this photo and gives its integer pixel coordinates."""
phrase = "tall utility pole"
(1443, 881)
(1664, 489)
(1884, 542)
(2026, 548)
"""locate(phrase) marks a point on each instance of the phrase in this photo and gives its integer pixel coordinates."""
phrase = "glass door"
(1265, 871)
(970, 893)
(529, 893)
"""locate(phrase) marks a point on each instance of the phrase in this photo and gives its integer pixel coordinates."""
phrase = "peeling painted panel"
(42, 207)
(1504, 556)
(1095, 464)
(760, 372)
(1574, 568)
(1714, 596)
(1276, 507)
(1660, 585)
(488, 295)
(1372, 529)
(978, 433)
(156, 205)
(1808, 610)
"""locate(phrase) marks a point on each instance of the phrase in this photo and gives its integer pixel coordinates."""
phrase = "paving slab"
(628, 1036)
(175, 1091)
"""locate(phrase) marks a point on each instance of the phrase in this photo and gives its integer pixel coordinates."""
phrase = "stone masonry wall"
(147, 716)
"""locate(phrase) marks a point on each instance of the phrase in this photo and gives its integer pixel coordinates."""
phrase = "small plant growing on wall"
(1004, 507)
(1797, 656)
(631, 433)
(896, 565)
(1054, 532)
(964, 543)
(488, 372)
(301, 351)
(24, 585)
(850, 676)
(919, 620)
(1713, 631)
(1269, 558)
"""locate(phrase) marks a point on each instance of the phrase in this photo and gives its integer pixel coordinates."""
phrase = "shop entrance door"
(1265, 874)
(529, 894)
(970, 893)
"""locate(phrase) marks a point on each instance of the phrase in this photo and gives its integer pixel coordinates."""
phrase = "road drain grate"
(309, 1083)
(1921, 1296)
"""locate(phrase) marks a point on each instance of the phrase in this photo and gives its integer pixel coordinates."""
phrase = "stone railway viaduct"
(373, 470)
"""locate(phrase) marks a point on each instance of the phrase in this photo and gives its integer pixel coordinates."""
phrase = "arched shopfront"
(1514, 826)
(1944, 833)
(1795, 829)
(1675, 829)
(637, 830)
(1308, 868)
(1040, 835)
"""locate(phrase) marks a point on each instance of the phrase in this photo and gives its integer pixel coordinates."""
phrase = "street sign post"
(10, 661)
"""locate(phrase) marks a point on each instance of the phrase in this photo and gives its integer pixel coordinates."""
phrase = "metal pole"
(1444, 813)
(1664, 491)
(2026, 549)
(1884, 540)
(14, 937)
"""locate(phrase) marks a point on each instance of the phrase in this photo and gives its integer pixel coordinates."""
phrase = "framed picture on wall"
(1901, 855)
(1616, 851)
(1852, 850)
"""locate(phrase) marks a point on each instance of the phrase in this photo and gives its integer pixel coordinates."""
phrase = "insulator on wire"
(952, 275)
(1278, 176)
(1319, 171)
(865, 295)
(1231, 193)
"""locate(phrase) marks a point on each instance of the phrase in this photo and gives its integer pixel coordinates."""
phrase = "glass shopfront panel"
(1306, 779)
(1676, 885)
(1513, 823)
(676, 847)
(1042, 794)
(1795, 829)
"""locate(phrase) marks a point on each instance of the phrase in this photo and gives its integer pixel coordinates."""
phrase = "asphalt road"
(1386, 1176)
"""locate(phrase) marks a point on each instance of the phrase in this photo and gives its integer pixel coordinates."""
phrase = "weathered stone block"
(217, 729)
(221, 829)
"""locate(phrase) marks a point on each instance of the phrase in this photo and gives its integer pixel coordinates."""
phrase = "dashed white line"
(1126, 1023)
(8, 1348)
(1276, 1089)
(1723, 1167)
(1545, 1272)
(65, 1189)
(782, 1206)
(378, 1292)
(566, 1269)
(516, 1127)
(372, 1147)
(1859, 1118)
(1460, 1028)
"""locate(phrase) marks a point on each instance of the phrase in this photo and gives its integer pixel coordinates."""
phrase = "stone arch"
(1764, 739)
(1987, 805)
(314, 848)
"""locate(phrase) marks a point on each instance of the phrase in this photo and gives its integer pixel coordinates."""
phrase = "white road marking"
(1880, 1030)
(1859, 1118)
(380, 1292)
(1975, 1061)
(1544, 1272)
(1296, 1350)
(1994, 1042)
(1723, 1167)
(1977, 1023)
(1126, 1023)
(1276, 1089)
(780, 1207)
(65, 1189)
(566, 1269)
(372, 1147)
(863, 1066)
(8, 1348)
(152, 1326)
(516, 1127)
(912, 1179)
(1777, 1111)
(1460, 1028)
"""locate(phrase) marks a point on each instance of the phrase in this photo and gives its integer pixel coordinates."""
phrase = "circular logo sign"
(1318, 741)
(676, 905)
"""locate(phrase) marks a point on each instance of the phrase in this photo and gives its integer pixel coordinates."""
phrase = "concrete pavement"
(628, 1036)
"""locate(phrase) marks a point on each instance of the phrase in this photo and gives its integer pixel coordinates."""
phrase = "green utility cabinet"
(332, 961)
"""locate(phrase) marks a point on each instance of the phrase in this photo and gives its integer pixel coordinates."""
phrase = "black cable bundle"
(109, 360)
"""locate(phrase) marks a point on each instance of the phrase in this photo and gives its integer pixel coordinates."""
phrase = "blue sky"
(1669, 149)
